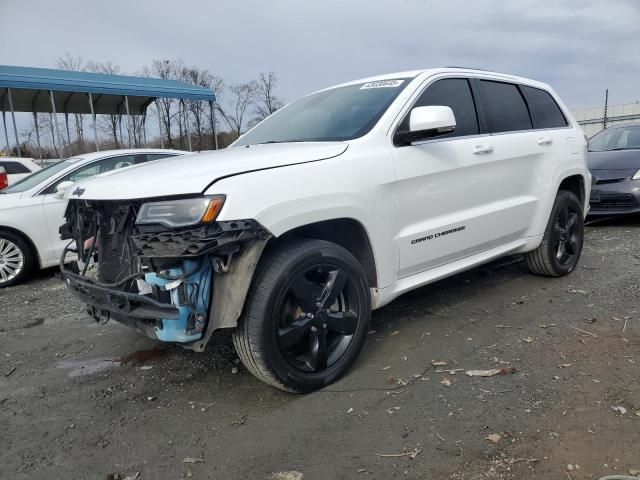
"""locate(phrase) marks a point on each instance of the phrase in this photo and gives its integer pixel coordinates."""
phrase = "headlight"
(181, 213)
(636, 176)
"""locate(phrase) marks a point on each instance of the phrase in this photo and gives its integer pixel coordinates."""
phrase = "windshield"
(620, 138)
(341, 113)
(27, 183)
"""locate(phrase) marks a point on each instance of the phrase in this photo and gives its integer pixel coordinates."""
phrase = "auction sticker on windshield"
(382, 84)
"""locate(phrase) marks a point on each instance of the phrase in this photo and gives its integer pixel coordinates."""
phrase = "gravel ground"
(85, 401)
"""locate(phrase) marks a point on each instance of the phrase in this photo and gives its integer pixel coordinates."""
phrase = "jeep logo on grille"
(78, 191)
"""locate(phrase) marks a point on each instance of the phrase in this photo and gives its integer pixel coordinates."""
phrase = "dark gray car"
(614, 162)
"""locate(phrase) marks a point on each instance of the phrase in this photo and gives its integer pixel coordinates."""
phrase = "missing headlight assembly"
(160, 274)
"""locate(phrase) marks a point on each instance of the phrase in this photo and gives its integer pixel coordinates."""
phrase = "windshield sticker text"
(382, 84)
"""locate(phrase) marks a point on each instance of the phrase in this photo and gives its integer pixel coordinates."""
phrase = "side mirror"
(62, 188)
(428, 122)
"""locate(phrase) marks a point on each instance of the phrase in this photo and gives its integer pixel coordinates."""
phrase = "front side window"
(504, 107)
(337, 114)
(621, 138)
(93, 169)
(545, 110)
(456, 94)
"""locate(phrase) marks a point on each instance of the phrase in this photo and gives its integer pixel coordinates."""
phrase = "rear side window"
(504, 107)
(14, 168)
(456, 94)
(546, 112)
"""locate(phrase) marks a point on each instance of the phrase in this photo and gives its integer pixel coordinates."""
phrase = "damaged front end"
(165, 268)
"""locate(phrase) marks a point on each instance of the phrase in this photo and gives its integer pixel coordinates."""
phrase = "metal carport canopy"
(30, 89)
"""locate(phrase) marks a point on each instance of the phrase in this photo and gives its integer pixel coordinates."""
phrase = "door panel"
(453, 203)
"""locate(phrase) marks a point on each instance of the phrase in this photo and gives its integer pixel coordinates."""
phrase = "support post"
(606, 108)
(186, 125)
(66, 121)
(35, 122)
(55, 119)
(13, 119)
(93, 118)
(144, 128)
(214, 133)
(6, 136)
(126, 106)
(160, 124)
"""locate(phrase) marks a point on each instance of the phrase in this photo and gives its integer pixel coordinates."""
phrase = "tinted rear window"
(505, 109)
(545, 110)
(14, 168)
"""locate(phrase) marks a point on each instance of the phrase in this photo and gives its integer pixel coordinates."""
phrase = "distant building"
(592, 119)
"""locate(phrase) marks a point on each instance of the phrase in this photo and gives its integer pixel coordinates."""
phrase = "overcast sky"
(580, 47)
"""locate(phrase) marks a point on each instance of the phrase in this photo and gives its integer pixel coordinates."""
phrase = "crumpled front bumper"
(102, 298)
(159, 280)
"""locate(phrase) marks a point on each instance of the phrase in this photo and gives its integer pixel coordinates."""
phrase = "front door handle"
(482, 149)
(545, 141)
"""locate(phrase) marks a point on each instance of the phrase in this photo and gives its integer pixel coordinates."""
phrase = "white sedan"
(18, 168)
(32, 209)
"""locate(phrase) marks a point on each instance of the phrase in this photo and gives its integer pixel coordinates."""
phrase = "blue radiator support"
(191, 297)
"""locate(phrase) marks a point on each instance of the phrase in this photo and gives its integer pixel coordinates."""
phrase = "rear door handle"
(482, 149)
(545, 141)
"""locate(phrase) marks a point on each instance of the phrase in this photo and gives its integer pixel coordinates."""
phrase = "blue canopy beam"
(106, 93)
(25, 81)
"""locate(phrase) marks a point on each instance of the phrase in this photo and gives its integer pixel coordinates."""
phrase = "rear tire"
(17, 259)
(561, 246)
(306, 317)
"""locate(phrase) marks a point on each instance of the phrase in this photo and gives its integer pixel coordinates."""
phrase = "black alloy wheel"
(566, 235)
(561, 246)
(318, 317)
(306, 316)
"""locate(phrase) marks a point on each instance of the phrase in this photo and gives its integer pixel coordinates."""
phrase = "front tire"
(561, 246)
(306, 316)
(16, 259)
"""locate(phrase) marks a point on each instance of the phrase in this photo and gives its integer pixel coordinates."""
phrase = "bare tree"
(267, 102)
(243, 97)
(69, 62)
(164, 69)
(111, 122)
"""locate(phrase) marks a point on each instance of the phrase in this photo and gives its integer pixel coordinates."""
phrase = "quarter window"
(14, 168)
(545, 110)
(505, 109)
(150, 157)
(456, 94)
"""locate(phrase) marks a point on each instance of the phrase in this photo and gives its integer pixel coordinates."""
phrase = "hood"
(192, 174)
(614, 160)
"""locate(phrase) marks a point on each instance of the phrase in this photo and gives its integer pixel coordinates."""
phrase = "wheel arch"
(576, 185)
(346, 232)
(26, 238)
(231, 288)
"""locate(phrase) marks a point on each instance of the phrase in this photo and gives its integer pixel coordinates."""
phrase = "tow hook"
(101, 317)
(219, 265)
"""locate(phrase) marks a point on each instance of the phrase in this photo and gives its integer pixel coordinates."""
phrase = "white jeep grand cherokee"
(333, 206)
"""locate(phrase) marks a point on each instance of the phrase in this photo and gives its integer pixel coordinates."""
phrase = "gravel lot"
(85, 401)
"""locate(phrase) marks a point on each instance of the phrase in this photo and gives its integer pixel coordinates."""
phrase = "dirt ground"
(85, 401)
